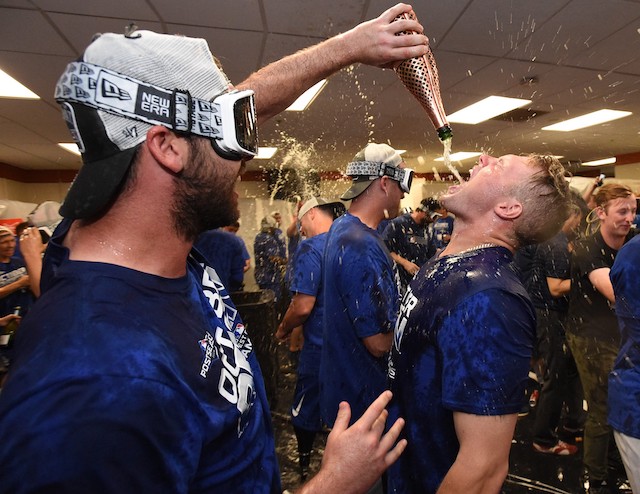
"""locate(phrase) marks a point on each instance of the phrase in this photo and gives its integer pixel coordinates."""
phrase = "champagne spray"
(420, 77)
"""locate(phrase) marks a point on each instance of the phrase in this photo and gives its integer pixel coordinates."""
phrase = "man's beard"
(203, 199)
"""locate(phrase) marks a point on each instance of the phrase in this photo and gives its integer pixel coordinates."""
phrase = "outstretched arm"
(373, 42)
(356, 456)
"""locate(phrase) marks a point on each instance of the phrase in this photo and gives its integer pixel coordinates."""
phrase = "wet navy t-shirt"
(128, 382)
(307, 279)
(361, 299)
(462, 343)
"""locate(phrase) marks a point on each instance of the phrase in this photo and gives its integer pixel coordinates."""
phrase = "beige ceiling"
(582, 55)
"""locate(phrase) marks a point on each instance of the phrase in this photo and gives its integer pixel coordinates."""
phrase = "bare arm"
(20, 283)
(483, 460)
(373, 42)
(558, 287)
(407, 265)
(599, 278)
(355, 457)
(378, 344)
(32, 248)
(299, 309)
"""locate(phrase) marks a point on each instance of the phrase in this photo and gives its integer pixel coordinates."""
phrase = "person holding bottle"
(135, 367)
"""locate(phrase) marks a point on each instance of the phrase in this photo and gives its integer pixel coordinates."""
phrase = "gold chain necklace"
(477, 247)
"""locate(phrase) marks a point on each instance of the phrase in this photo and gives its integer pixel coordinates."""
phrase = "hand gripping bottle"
(420, 77)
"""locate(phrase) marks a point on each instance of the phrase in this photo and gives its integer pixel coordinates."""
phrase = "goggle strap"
(104, 89)
(375, 169)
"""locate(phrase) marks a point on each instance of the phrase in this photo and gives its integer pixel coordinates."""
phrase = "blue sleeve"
(236, 270)
(486, 344)
(307, 270)
(86, 423)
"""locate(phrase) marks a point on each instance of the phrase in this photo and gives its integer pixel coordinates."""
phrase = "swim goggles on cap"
(375, 169)
(229, 120)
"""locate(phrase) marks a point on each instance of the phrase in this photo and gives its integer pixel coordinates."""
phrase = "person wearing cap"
(14, 279)
(464, 335)
(134, 367)
(270, 252)
(306, 309)
(360, 288)
(410, 241)
(15, 294)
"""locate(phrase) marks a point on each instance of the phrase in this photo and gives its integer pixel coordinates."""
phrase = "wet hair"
(545, 199)
(609, 192)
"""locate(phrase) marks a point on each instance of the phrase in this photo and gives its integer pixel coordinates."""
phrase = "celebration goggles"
(375, 169)
(229, 120)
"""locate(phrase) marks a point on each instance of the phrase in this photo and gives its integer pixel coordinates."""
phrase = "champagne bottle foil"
(420, 76)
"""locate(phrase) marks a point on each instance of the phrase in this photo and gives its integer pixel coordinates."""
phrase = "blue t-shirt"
(462, 343)
(361, 299)
(225, 252)
(624, 380)
(265, 246)
(307, 279)
(410, 240)
(128, 382)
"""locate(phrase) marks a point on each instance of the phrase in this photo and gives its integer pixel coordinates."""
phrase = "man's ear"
(602, 214)
(385, 183)
(509, 209)
(167, 148)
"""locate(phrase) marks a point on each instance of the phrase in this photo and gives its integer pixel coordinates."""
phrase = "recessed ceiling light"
(306, 98)
(264, 153)
(10, 88)
(485, 109)
(70, 146)
(605, 161)
(594, 118)
(462, 155)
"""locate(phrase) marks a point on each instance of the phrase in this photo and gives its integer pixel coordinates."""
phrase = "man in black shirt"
(592, 328)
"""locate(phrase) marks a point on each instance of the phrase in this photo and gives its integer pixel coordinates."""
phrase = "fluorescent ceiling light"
(70, 146)
(594, 118)
(485, 109)
(463, 155)
(605, 161)
(10, 88)
(306, 98)
(264, 153)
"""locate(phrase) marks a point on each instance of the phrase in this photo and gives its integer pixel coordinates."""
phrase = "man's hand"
(281, 333)
(376, 43)
(355, 457)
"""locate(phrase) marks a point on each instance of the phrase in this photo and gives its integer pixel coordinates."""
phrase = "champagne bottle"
(9, 331)
(420, 77)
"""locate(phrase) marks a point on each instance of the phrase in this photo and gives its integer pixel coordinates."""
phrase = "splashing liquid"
(446, 154)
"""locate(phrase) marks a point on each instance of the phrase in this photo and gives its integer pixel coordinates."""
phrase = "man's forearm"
(373, 42)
